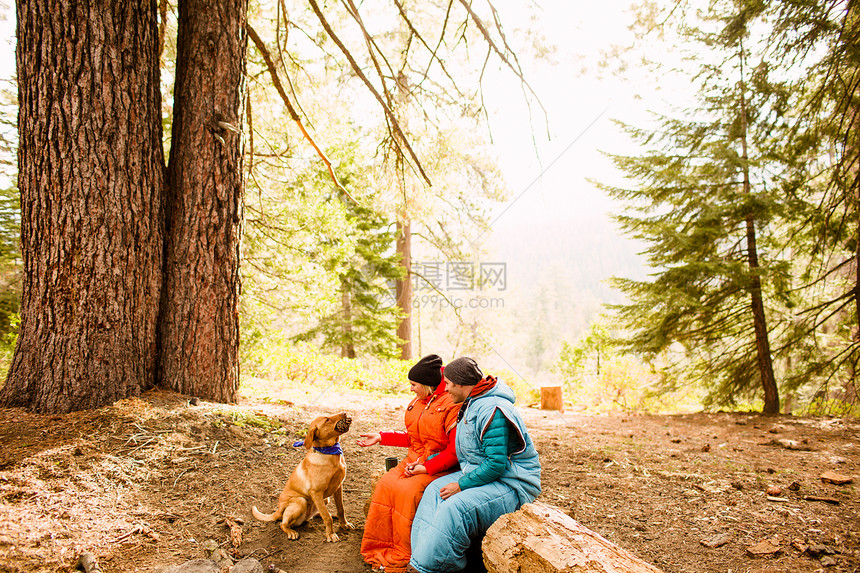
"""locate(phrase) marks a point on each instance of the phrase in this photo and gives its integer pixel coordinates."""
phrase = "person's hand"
(369, 440)
(449, 490)
(414, 468)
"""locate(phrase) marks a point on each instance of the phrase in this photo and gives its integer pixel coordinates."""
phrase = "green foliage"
(320, 269)
(248, 419)
(365, 318)
(776, 87)
(276, 364)
(595, 377)
(822, 406)
(318, 266)
(525, 393)
(10, 222)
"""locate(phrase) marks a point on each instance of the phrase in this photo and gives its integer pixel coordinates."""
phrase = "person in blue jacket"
(499, 472)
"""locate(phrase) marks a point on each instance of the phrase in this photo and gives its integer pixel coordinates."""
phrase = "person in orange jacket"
(430, 418)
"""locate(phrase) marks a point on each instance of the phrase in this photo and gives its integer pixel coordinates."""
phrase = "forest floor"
(156, 481)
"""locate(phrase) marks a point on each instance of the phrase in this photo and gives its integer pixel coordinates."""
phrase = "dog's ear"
(310, 437)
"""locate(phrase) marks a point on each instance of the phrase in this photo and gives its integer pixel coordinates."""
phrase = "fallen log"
(540, 537)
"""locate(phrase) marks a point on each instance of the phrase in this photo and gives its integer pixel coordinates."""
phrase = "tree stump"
(551, 398)
(542, 538)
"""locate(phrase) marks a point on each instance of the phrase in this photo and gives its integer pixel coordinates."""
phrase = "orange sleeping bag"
(429, 427)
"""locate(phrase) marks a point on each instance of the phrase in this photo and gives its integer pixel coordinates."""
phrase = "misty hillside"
(557, 281)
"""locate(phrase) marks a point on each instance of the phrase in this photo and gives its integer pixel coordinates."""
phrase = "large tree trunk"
(199, 322)
(403, 289)
(91, 178)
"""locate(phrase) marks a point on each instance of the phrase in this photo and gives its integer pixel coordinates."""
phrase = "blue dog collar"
(334, 450)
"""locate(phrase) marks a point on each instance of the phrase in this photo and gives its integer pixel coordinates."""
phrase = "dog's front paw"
(333, 538)
(346, 526)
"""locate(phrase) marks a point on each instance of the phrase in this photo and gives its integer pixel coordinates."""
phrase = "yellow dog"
(317, 477)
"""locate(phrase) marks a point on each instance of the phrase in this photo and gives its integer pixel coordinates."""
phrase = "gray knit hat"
(463, 371)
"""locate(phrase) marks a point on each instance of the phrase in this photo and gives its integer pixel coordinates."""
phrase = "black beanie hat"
(463, 371)
(427, 371)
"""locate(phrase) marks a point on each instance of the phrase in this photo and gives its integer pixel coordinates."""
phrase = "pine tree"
(820, 39)
(364, 318)
(705, 204)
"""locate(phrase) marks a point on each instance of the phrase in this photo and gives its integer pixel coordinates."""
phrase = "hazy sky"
(581, 101)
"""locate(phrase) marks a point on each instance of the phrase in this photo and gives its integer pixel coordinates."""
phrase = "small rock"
(706, 448)
(195, 401)
(835, 478)
(222, 558)
(716, 540)
(774, 490)
(792, 445)
(794, 486)
(247, 565)
(838, 460)
(194, 566)
(828, 561)
(209, 545)
(818, 550)
(764, 547)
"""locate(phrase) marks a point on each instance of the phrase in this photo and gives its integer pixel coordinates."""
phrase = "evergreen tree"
(365, 318)
(820, 39)
(705, 203)
(318, 264)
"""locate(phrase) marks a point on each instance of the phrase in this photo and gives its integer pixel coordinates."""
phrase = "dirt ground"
(157, 481)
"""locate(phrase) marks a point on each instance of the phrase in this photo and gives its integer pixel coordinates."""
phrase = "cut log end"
(551, 398)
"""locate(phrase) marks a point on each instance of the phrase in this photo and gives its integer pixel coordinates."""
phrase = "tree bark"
(347, 349)
(91, 179)
(403, 289)
(765, 363)
(763, 357)
(199, 321)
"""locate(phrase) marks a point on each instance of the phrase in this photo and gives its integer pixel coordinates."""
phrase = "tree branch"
(392, 120)
(264, 51)
(514, 66)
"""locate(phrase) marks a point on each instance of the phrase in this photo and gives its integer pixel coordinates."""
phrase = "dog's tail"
(263, 517)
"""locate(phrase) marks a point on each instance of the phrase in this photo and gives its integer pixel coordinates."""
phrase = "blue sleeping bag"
(443, 529)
